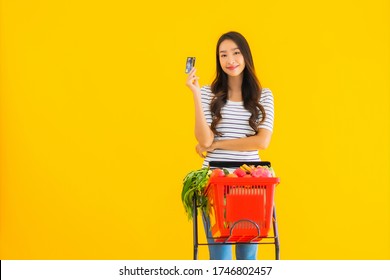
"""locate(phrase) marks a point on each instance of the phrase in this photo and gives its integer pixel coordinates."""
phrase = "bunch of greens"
(194, 184)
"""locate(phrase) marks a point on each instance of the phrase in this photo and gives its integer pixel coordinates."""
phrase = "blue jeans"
(224, 252)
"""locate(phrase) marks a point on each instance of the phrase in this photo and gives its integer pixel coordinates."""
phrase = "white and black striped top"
(235, 124)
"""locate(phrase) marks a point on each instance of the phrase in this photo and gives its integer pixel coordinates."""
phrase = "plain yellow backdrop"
(97, 124)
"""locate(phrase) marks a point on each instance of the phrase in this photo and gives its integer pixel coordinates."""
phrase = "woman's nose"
(231, 60)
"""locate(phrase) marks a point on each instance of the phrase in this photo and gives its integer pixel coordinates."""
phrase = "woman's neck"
(234, 88)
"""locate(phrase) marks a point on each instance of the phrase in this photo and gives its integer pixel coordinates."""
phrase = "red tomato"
(239, 172)
(217, 172)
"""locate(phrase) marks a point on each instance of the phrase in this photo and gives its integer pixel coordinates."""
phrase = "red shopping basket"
(240, 208)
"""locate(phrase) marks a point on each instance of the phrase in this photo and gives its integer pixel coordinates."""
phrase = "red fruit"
(217, 173)
(261, 171)
(239, 172)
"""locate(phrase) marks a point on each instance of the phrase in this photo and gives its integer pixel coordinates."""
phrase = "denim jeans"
(224, 252)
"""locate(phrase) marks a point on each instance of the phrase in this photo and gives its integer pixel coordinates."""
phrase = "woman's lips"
(232, 67)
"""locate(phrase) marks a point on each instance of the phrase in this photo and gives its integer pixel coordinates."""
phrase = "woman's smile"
(232, 67)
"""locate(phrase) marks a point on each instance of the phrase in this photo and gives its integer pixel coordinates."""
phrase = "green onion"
(193, 184)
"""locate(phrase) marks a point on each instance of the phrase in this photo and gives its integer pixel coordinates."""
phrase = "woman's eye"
(237, 53)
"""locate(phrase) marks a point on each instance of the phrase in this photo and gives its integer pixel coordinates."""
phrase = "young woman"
(233, 118)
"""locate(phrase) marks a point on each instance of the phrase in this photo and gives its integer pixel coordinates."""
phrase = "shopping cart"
(241, 209)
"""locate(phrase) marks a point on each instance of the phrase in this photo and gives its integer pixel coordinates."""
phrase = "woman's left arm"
(260, 141)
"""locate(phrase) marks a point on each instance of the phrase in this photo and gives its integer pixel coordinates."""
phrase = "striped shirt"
(235, 124)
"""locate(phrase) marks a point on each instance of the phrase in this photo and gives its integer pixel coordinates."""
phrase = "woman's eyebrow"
(223, 51)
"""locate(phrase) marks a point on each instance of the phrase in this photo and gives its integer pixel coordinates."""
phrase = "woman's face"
(231, 59)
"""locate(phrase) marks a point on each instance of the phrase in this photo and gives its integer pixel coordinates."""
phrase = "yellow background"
(97, 124)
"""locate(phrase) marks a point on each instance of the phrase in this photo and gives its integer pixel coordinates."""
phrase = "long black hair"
(250, 88)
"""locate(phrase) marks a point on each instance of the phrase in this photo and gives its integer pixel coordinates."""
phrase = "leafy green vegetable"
(194, 184)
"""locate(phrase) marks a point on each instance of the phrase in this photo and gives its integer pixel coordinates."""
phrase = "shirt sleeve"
(267, 101)
(206, 97)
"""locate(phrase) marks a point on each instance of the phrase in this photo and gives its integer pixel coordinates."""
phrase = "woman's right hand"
(192, 81)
